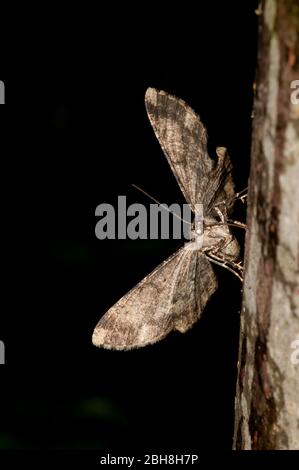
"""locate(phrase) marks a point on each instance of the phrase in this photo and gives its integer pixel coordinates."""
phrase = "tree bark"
(267, 395)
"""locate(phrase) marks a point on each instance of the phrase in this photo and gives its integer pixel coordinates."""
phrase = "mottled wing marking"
(172, 297)
(183, 139)
(221, 187)
(193, 288)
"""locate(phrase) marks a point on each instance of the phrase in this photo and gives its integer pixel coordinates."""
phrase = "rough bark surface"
(267, 395)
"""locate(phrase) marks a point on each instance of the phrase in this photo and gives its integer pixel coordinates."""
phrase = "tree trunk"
(267, 396)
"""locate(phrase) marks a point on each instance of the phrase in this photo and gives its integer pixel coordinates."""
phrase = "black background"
(76, 134)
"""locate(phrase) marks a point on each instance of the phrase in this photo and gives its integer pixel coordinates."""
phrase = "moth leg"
(237, 196)
(236, 223)
(220, 214)
(242, 196)
(216, 253)
(235, 268)
(226, 258)
(233, 223)
(223, 242)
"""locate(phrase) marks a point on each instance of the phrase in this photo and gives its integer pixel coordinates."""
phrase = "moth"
(174, 295)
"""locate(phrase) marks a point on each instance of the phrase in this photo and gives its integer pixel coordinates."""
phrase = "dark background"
(76, 134)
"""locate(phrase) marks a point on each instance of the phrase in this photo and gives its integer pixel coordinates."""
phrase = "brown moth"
(173, 296)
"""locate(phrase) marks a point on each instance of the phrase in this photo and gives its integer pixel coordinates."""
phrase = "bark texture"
(267, 395)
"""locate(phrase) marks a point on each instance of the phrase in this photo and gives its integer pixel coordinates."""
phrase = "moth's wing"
(183, 139)
(194, 286)
(170, 298)
(221, 189)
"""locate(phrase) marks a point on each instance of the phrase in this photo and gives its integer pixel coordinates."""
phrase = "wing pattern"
(172, 297)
